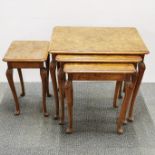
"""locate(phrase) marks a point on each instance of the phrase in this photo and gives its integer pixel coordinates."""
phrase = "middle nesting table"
(63, 59)
(93, 67)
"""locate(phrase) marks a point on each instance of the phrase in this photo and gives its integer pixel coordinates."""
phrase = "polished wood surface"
(27, 51)
(98, 58)
(98, 68)
(96, 40)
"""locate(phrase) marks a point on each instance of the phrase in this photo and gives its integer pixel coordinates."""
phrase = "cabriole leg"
(124, 107)
(53, 77)
(69, 98)
(135, 91)
(43, 73)
(47, 67)
(21, 81)
(117, 90)
(61, 76)
(9, 75)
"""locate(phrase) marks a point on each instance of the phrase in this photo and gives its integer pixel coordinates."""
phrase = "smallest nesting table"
(28, 54)
(98, 72)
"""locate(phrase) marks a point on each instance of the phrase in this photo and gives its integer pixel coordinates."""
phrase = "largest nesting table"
(111, 41)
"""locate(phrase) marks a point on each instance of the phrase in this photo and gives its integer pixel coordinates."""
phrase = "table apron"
(25, 64)
(98, 76)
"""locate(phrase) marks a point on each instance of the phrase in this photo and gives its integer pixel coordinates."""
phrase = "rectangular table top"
(27, 51)
(96, 40)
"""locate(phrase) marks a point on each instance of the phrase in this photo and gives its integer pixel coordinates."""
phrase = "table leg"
(69, 98)
(117, 91)
(43, 73)
(21, 81)
(53, 77)
(9, 75)
(124, 107)
(47, 67)
(141, 69)
(61, 81)
(120, 90)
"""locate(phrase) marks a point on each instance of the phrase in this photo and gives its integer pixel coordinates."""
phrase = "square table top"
(27, 51)
(96, 40)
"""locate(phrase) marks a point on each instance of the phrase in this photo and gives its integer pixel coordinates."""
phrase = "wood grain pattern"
(98, 68)
(96, 40)
(98, 58)
(27, 51)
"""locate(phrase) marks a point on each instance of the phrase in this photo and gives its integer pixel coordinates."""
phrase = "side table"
(28, 54)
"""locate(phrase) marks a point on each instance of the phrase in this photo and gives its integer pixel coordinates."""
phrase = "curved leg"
(43, 74)
(9, 75)
(134, 79)
(69, 98)
(47, 67)
(120, 90)
(21, 81)
(52, 71)
(124, 107)
(61, 94)
(135, 91)
(117, 90)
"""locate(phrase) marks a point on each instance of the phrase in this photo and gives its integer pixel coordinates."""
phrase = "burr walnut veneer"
(96, 40)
